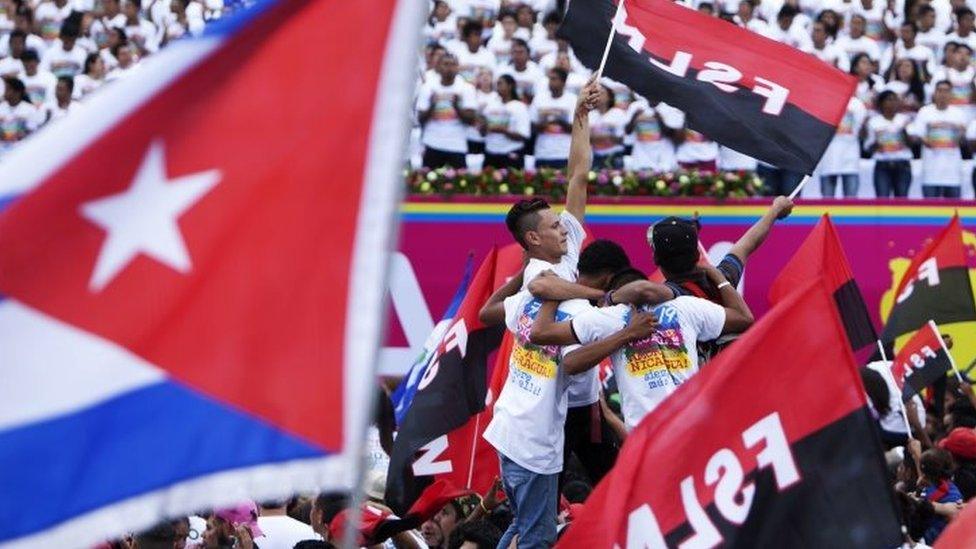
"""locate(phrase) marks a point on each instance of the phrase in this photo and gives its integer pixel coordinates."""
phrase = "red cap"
(961, 442)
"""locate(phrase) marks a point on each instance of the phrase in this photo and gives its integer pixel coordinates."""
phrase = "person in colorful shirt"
(551, 115)
(887, 142)
(940, 128)
(653, 148)
(18, 116)
(842, 158)
(506, 126)
(445, 107)
(607, 124)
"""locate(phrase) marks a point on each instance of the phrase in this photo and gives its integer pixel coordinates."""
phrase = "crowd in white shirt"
(56, 53)
(898, 137)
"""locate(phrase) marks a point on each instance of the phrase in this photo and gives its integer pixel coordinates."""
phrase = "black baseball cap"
(675, 244)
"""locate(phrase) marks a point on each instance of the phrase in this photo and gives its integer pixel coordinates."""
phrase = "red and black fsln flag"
(822, 255)
(935, 286)
(921, 362)
(757, 96)
(771, 446)
(451, 392)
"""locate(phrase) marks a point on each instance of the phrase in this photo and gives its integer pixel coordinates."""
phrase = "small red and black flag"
(822, 255)
(752, 94)
(777, 449)
(921, 362)
(934, 287)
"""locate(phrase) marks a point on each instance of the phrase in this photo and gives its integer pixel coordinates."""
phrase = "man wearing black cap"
(674, 242)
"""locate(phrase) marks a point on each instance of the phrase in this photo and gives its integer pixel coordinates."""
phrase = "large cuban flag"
(191, 273)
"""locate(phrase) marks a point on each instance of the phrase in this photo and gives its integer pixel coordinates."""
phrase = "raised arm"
(738, 316)
(743, 248)
(580, 157)
(641, 292)
(640, 326)
(493, 311)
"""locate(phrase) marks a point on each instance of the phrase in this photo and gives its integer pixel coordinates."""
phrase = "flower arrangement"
(551, 184)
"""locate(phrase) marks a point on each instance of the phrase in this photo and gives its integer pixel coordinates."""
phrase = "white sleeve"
(596, 324)
(423, 98)
(468, 99)
(534, 268)
(869, 139)
(707, 317)
(519, 122)
(574, 238)
(917, 127)
(971, 131)
(513, 307)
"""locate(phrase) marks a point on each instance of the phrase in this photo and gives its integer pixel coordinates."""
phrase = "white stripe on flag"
(51, 368)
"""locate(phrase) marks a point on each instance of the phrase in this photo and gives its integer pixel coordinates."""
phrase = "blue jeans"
(892, 175)
(533, 499)
(778, 182)
(941, 191)
(828, 184)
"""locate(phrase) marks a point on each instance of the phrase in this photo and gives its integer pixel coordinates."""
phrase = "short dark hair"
(625, 277)
(561, 73)
(552, 17)
(314, 544)
(520, 42)
(576, 491)
(331, 504)
(601, 257)
(471, 27)
(936, 464)
(29, 55)
(68, 81)
(523, 217)
(942, 83)
(18, 86)
(924, 9)
(885, 95)
(480, 532)
(787, 11)
(962, 12)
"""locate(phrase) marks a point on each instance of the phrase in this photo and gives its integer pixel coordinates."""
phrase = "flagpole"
(613, 31)
(952, 361)
(799, 188)
(904, 409)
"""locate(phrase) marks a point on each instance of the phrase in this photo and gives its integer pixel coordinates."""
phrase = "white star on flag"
(143, 218)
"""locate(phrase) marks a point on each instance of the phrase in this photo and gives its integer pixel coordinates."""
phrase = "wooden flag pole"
(952, 361)
(613, 31)
(904, 408)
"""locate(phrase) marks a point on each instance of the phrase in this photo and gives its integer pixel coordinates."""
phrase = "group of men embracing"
(571, 308)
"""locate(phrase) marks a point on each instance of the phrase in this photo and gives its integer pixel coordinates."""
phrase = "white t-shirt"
(922, 56)
(696, 148)
(888, 134)
(10, 67)
(607, 131)
(525, 80)
(552, 142)
(513, 117)
(530, 412)
(584, 389)
(64, 63)
(54, 111)
(894, 420)
(500, 47)
(652, 150)
(33, 42)
(143, 34)
(469, 64)
(854, 46)
(650, 369)
(940, 131)
(40, 87)
(17, 122)
(962, 88)
(733, 160)
(932, 39)
(832, 55)
(843, 155)
(85, 85)
(49, 18)
(283, 532)
(444, 130)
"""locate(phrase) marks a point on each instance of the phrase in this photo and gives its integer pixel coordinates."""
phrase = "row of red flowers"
(551, 183)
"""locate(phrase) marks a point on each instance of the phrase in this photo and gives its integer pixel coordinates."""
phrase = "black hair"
(89, 61)
(626, 276)
(17, 34)
(160, 536)
(520, 42)
(936, 464)
(18, 86)
(964, 11)
(601, 257)
(940, 83)
(561, 73)
(924, 9)
(523, 217)
(915, 87)
(314, 544)
(576, 491)
(787, 11)
(471, 27)
(856, 59)
(29, 55)
(962, 413)
(70, 81)
(482, 533)
(331, 504)
(511, 83)
(885, 95)
(613, 98)
(912, 25)
(877, 390)
(552, 17)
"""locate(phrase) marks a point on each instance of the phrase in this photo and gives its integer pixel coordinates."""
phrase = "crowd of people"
(54, 54)
(498, 86)
(557, 428)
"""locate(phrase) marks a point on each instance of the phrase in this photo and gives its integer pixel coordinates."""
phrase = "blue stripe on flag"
(403, 395)
(141, 441)
(7, 200)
